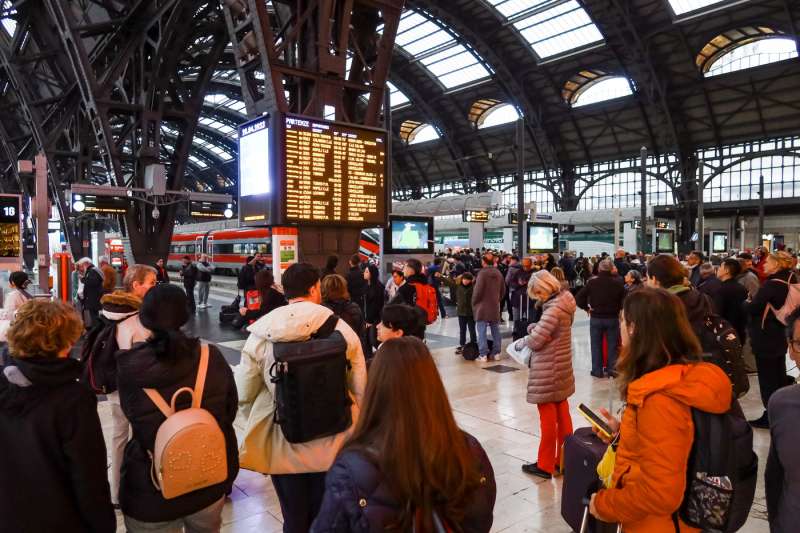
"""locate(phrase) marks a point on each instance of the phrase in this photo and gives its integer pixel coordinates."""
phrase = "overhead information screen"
(10, 230)
(256, 168)
(333, 173)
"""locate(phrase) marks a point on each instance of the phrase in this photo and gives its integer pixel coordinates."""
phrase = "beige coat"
(550, 377)
(264, 449)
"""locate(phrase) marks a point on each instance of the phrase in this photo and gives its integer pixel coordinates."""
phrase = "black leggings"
(771, 375)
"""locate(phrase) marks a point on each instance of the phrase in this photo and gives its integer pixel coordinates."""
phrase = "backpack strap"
(769, 307)
(326, 328)
(197, 394)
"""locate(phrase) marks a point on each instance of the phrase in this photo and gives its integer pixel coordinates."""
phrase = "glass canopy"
(681, 7)
(753, 54)
(437, 49)
(550, 27)
(604, 89)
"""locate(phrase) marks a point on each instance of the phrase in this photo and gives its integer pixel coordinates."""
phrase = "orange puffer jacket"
(655, 440)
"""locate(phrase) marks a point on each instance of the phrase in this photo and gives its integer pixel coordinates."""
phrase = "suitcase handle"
(585, 520)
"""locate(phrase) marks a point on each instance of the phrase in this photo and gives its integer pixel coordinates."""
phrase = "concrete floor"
(489, 405)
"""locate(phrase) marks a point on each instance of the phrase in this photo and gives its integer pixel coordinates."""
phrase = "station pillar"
(284, 250)
(508, 239)
(475, 235)
(316, 243)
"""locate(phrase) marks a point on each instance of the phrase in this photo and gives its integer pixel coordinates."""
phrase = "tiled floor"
(489, 405)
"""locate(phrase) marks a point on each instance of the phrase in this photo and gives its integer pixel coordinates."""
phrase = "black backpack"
(98, 356)
(721, 346)
(721, 473)
(310, 378)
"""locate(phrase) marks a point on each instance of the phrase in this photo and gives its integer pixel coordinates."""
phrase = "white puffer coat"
(550, 377)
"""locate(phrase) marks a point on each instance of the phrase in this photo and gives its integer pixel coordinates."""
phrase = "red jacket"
(655, 440)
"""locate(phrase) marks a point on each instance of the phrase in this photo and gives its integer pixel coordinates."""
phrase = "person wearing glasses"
(783, 462)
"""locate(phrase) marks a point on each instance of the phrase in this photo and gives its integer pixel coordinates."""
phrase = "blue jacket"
(357, 498)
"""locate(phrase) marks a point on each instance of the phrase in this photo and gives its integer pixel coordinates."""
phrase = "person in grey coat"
(783, 462)
(486, 297)
(204, 271)
(550, 377)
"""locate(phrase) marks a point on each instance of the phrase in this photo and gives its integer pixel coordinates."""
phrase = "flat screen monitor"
(10, 229)
(256, 171)
(665, 241)
(719, 242)
(333, 173)
(542, 238)
(409, 235)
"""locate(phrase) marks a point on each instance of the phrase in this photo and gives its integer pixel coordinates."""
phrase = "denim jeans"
(440, 301)
(483, 344)
(202, 291)
(465, 322)
(208, 520)
(597, 328)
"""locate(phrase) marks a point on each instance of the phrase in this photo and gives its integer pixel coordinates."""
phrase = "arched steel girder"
(618, 24)
(505, 77)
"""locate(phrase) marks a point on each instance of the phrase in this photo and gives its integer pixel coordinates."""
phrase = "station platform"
(488, 400)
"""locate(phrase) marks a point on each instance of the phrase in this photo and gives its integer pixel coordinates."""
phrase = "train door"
(210, 248)
(198, 247)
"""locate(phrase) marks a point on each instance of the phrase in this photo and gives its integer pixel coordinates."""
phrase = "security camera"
(156, 213)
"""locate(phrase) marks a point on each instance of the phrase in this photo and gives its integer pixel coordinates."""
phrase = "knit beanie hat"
(164, 308)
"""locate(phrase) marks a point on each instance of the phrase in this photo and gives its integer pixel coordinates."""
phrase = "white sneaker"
(481, 359)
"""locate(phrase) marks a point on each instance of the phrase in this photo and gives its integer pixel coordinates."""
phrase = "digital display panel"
(254, 156)
(409, 235)
(90, 203)
(542, 238)
(10, 230)
(475, 215)
(665, 241)
(719, 242)
(333, 173)
(512, 218)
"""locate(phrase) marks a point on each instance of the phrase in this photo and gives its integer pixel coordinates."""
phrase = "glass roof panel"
(550, 31)
(424, 133)
(198, 162)
(9, 23)
(221, 100)
(754, 54)
(437, 49)
(396, 96)
(681, 7)
(605, 89)
(500, 114)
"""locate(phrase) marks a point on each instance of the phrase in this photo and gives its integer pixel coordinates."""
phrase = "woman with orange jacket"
(661, 378)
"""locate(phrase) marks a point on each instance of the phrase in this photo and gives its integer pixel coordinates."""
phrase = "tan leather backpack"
(190, 449)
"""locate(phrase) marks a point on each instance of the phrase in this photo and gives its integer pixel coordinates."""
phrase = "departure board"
(333, 173)
(10, 230)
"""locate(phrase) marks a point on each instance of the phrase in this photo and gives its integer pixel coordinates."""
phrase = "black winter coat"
(348, 311)
(189, 274)
(729, 304)
(356, 285)
(769, 341)
(709, 286)
(92, 289)
(603, 295)
(373, 301)
(53, 473)
(354, 480)
(168, 366)
(517, 283)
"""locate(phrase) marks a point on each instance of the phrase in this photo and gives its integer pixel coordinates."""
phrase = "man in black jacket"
(709, 283)
(621, 263)
(90, 291)
(729, 299)
(602, 298)
(189, 276)
(356, 284)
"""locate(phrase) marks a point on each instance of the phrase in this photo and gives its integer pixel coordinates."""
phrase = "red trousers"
(556, 426)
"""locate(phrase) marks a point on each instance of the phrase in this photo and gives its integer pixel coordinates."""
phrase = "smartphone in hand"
(596, 421)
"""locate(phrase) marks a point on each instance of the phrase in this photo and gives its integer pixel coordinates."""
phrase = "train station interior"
(604, 194)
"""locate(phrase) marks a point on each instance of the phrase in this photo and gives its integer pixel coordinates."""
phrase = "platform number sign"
(10, 229)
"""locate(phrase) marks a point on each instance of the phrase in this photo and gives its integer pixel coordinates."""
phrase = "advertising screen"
(542, 238)
(719, 242)
(333, 173)
(254, 176)
(665, 241)
(10, 229)
(409, 235)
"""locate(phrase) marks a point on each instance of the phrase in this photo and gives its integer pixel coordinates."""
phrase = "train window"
(262, 248)
(237, 249)
(223, 248)
(190, 248)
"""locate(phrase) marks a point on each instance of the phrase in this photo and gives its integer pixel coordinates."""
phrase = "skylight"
(681, 7)
(499, 114)
(224, 129)
(551, 28)
(396, 96)
(221, 100)
(196, 161)
(9, 23)
(605, 89)
(753, 54)
(437, 50)
(424, 133)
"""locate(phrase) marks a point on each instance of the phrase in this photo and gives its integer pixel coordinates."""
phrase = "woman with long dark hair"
(374, 298)
(271, 298)
(661, 378)
(419, 469)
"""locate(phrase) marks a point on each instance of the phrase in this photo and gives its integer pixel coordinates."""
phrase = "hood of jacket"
(24, 381)
(703, 386)
(563, 301)
(119, 305)
(696, 303)
(291, 323)
(159, 362)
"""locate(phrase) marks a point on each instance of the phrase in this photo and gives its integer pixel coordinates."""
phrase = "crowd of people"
(338, 399)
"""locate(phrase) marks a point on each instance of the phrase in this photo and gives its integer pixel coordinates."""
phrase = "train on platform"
(228, 249)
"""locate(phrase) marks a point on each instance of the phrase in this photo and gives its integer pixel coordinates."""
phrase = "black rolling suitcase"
(521, 324)
(583, 450)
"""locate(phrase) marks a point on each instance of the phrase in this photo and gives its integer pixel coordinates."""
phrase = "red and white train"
(228, 249)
